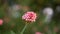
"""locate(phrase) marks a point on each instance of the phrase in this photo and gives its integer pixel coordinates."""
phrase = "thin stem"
(24, 28)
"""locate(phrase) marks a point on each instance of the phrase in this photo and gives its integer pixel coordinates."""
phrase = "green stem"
(24, 28)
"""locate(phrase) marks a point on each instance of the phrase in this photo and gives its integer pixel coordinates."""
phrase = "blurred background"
(47, 22)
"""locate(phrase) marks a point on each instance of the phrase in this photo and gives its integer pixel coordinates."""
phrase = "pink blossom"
(38, 33)
(1, 21)
(29, 16)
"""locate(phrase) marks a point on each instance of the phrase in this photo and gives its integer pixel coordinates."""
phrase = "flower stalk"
(24, 28)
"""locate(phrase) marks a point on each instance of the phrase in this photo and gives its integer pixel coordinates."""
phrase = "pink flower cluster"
(38, 33)
(29, 16)
(1, 21)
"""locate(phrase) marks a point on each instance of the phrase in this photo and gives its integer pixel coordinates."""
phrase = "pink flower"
(38, 33)
(1, 21)
(29, 16)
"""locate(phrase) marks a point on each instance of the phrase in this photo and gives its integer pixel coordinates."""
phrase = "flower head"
(48, 11)
(1, 21)
(38, 33)
(29, 16)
